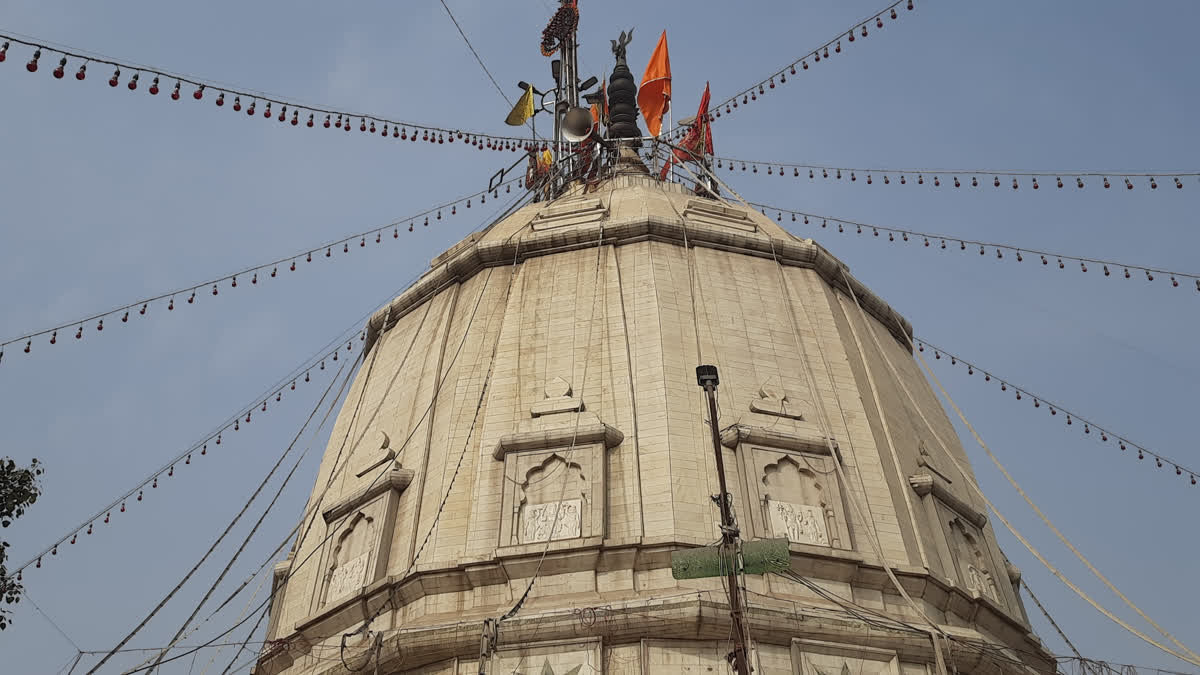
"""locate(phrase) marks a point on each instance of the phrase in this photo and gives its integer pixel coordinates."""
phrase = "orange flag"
(654, 95)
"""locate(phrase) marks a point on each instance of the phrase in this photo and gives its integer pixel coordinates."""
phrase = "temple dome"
(528, 410)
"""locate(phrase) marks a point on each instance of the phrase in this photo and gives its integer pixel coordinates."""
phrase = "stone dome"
(529, 409)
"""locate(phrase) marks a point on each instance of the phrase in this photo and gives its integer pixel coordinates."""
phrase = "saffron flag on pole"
(523, 110)
(654, 94)
(697, 142)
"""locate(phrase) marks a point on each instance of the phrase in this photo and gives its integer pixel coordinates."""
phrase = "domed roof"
(623, 209)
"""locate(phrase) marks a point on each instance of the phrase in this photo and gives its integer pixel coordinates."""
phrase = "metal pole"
(706, 376)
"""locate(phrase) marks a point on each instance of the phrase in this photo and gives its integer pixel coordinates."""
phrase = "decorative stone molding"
(378, 458)
(813, 442)
(395, 480)
(478, 252)
(555, 485)
(570, 212)
(816, 657)
(925, 484)
(774, 401)
(558, 438)
(558, 400)
(709, 212)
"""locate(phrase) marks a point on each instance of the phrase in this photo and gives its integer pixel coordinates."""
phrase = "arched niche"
(553, 501)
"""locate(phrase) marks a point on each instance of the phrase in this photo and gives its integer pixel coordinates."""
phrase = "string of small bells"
(270, 270)
(824, 52)
(963, 178)
(138, 493)
(283, 111)
(1107, 267)
(1088, 427)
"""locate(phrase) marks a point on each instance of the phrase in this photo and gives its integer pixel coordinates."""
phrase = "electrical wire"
(219, 539)
(597, 288)
(999, 249)
(466, 443)
(272, 266)
(969, 480)
(202, 445)
(778, 168)
(254, 529)
(1058, 629)
(202, 84)
(757, 89)
(1055, 408)
(474, 53)
(935, 631)
(333, 531)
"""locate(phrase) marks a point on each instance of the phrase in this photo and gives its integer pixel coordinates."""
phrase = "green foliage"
(19, 489)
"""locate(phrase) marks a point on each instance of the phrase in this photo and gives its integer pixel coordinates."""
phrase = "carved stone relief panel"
(553, 495)
(795, 495)
(971, 557)
(800, 523)
(346, 571)
(550, 521)
(361, 525)
(813, 657)
(554, 484)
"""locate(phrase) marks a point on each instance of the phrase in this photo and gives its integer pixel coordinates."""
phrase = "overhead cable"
(970, 481)
(269, 270)
(1086, 426)
(285, 109)
(969, 177)
(1107, 267)
(766, 85)
(221, 537)
(385, 469)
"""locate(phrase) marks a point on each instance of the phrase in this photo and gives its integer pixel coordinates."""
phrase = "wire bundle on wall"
(271, 270)
(1106, 267)
(252, 103)
(960, 178)
(1088, 427)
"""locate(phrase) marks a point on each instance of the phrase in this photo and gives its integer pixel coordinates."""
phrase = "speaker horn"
(577, 125)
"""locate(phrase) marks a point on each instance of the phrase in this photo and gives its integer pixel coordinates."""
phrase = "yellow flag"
(523, 110)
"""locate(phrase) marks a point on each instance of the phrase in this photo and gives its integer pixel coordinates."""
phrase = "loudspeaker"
(577, 124)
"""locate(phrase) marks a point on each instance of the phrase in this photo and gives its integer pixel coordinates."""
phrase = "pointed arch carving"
(349, 560)
(553, 498)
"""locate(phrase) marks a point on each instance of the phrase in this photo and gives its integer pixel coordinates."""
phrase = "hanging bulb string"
(284, 384)
(270, 269)
(295, 568)
(1088, 426)
(951, 177)
(203, 85)
(760, 88)
(228, 528)
(180, 634)
(1107, 267)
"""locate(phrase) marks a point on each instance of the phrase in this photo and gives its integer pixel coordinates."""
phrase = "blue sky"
(109, 195)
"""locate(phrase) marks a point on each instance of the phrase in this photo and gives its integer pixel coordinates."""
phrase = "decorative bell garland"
(860, 30)
(957, 178)
(282, 111)
(1086, 426)
(198, 450)
(269, 270)
(1107, 267)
